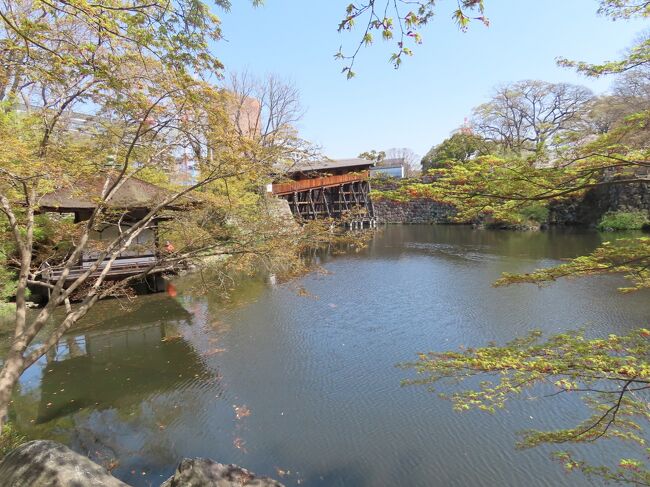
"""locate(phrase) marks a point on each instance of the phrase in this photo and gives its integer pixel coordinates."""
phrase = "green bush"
(536, 213)
(10, 439)
(7, 283)
(623, 220)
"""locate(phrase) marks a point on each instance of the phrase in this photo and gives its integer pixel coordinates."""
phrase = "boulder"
(43, 463)
(203, 472)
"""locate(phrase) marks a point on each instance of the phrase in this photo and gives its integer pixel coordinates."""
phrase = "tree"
(402, 22)
(404, 154)
(266, 110)
(459, 148)
(398, 21)
(494, 188)
(529, 116)
(373, 155)
(630, 94)
(634, 84)
(636, 57)
(113, 91)
(408, 158)
(610, 373)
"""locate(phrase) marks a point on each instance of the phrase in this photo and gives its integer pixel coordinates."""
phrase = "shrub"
(7, 283)
(10, 439)
(623, 220)
(537, 213)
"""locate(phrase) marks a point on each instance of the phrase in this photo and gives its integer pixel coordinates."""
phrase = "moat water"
(297, 380)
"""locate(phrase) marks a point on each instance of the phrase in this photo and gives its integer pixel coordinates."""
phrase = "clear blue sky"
(418, 105)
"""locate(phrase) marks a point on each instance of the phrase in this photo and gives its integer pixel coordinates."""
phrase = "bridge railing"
(313, 183)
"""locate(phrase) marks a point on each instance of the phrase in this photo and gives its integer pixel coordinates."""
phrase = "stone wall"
(579, 211)
(598, 201)
(419, 210)
(278, 211)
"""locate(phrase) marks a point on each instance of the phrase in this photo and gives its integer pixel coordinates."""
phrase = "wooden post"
(311, 204)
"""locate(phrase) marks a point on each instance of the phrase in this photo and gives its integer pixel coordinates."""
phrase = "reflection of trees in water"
(554, 243)
(130, 437)
(115, 368)
(110, 390)
(205, 300)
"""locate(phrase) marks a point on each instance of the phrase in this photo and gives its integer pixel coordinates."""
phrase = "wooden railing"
(313, 183)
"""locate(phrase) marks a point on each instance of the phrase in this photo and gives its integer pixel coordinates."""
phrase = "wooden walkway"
(120, 269)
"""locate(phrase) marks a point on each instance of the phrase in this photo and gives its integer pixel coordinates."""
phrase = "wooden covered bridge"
(337, 189)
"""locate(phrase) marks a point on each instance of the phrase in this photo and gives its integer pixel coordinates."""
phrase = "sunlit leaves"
(406, 22)
(611, 373)
(628, 256)
(637, 56)
(399, 22)
(624, 9)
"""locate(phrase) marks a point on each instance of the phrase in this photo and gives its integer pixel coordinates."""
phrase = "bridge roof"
(330, 164)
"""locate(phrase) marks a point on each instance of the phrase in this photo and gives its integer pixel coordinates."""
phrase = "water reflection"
(104, 366)
(297, 379)
(555, 243)
(112, 388)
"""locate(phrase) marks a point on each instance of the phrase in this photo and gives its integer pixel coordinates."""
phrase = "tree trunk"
(11, 371)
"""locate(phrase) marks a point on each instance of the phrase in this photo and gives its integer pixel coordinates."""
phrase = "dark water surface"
(298, 380)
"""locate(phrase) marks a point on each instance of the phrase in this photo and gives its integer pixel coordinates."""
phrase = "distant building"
(393, 168)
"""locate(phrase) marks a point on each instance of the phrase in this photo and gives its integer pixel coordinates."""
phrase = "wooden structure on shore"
(329, 189)
(129, 205)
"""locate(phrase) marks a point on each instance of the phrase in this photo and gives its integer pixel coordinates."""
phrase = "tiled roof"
(134, 193)
(329, 164)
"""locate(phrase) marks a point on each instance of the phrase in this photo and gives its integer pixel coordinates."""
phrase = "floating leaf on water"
(239, 443)
(241, 411)
(214, 351)
(171, 338)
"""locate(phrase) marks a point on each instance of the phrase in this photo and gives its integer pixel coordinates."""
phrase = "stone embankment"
(589, 209)
(414, 210)
(586, 210)
(419, 210)
(44, 463)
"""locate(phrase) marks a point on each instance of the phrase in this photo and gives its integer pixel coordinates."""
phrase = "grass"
(535, 213)
(7, 310)
(623, 220)
(10, 439)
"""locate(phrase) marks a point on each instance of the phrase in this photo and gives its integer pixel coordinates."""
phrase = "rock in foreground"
(44, 463)
(202, 472)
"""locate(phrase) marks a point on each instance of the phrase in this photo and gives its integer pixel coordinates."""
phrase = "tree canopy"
(459, 148)
(532, 115)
